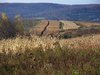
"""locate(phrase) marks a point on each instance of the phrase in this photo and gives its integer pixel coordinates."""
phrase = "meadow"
(35, 55)
(49, 56)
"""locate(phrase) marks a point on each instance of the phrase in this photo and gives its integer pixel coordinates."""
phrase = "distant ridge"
(51, 11)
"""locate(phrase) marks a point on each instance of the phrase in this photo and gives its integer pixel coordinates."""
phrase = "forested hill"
(51, 11)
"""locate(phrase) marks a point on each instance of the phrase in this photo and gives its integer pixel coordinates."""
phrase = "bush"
(6, 28)
(19, 26)
(9, 29)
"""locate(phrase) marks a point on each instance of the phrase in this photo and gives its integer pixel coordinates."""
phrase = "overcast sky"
(54, 1)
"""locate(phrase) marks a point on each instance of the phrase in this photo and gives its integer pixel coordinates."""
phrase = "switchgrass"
(50, 56)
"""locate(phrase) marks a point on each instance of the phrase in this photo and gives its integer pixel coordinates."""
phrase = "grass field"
(87, 24)
(52, 27)
(40, 27)
(50, 56)
(69, 25)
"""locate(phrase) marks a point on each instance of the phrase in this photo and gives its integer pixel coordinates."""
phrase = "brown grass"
(87, 24)
(40, 27)
(69, 25)
(19, 43)
(83, 43)
(50, 56)
(53, 26)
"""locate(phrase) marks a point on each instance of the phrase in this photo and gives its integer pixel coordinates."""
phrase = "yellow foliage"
(4, 17)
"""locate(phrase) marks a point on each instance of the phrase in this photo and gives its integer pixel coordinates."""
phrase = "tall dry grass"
(32, 42)
(50, 56)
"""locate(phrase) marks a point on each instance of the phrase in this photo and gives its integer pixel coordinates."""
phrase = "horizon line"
(48, 3)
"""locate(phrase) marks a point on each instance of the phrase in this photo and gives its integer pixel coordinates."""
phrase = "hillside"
(64, 29)
(53, 11)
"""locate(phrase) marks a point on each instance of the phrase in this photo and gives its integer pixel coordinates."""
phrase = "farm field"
(38, 29)
(87, 24)
(46, 26)
(65, 28)
(69, 25)
(52, 27)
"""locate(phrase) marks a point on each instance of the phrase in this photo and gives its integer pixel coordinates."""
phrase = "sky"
(53, 1)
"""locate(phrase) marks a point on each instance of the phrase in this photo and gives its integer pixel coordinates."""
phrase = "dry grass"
(32, 42)
(22, 44)
(40, 27)
(87, 24)
(69, 25)
(84, 43)
(50, 56)
(53, 26)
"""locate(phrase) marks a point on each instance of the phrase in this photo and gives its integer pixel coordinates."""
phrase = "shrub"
(61, 25)
(19, 24)
(9, 29)
(6, 28)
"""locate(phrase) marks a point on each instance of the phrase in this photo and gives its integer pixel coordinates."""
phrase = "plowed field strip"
(53, 26)
(40, 28)
(69, 25)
